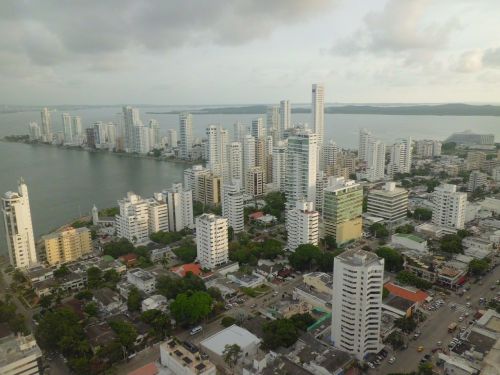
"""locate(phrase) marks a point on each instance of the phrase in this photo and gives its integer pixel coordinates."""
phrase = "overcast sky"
(248, 51)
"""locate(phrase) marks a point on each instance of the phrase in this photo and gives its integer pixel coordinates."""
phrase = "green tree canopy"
(165, 238)
(406, 229)
(451, 243)
(479, 266)
(279, 333)
(94, 277)
(393, 260)
(118, 248)
(159, 321)
(126, 332)
(408, 278)
(231, 354)
(422, 214)
(379, 230)
(134, 299)
(186, 252)
(304, 256)
(191, 308)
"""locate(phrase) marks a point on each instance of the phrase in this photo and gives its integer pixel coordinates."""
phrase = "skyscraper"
(375, 156)
(132, 221)
(235, 163)
(279, 165)
(401, 156)
(301, 167)
(46, 125)
(358, 277)
(19, 228)
(318, 112)
(285, 117)
(449, 206)
(76, 129)
(248, 155)
(154, 134)
(258, 130)
(239, 131)
(216, 150)
(211, 240)
(180, 208)
(342, 210)
(364, 139)
(273, 119)
(67, 128)
(186, 135)
(302, 225)
(172, 137)
(34, 131)
(130, 121)
(233, 207)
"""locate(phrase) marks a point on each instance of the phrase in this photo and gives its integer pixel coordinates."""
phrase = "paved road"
(435, 328)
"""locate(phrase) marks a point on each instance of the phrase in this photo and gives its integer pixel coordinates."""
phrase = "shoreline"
(119, 154)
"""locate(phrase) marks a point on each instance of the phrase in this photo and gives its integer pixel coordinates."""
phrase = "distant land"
(457, 109)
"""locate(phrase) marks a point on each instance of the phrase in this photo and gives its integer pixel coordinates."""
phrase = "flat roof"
(399, 303)
(231, 335)
(411, 237)
(358, 257)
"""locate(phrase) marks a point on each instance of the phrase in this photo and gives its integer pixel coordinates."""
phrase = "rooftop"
(185, 268)
(399, 303)
(149, 369)
(141, 274)
(193, 361)
(14, 348)
(358, 257)
(106, 295)
(410, 237)
(231, 335)
(406, 292)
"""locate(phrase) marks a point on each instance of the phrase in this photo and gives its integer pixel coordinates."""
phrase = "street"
(435, 328)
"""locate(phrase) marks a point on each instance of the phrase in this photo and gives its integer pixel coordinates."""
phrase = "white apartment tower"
(279, 165)
(157, 214)
(375, 157)
(34, 131)
(358, 277)
(132, 222)
(211, 240)
(239, 131)
(285, 117)
(180, 208)
(364, 139)
(77, 129)
(232, 206)
(301, 167)
(67, 128)
(172, 137)
(154, 134)
(248, 155)
(273, 119)
(46, 125)
(235, 162)
(186, 135)
(130, 121)
(389, 203)
(449, 206)
(302, 225)
(258, 130)
(216, 150)
(318, 112)
(19, 228)
(401, 156)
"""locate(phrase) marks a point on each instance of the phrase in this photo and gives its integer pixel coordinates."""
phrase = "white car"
(392, 360)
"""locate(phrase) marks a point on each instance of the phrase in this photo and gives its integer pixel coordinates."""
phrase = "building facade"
(302, 225)
(389, 203)
(211, 240)
(449, 206)
(67, 245)
(233, 207)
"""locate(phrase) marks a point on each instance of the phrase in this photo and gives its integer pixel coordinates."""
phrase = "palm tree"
(231, 354)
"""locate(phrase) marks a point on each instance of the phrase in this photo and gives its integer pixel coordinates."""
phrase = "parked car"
(392, 360)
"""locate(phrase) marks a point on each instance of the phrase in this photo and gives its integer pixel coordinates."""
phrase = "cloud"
(470, 62)
(93, 32)
(401, 28)
(492, 57)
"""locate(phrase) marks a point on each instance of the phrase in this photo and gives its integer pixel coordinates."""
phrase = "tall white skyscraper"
(364, 139)
(186, 135)
(285, 117)
(211, 240)
(154, 134)
(46, 125)
(273, 119)
(239, 131)
(258, 129)
(100, 133)
(19, 228)
(301, 168)
(358, 277)
(235, 162)
(449, 206)
(318, 112)
(330, 154)
(67, 128)
(375, 156)
(132, 222)
(302, 225)
(172, 137)
(141, 139)
(111, 135)
(248, 155)
(130, 121)
(34, 131)
(401, 156)
(76, 129)
(233, 207)
(180, 208)
(216, 150)
(157, 214)
(279, 165)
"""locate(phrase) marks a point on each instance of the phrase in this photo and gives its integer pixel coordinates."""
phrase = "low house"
(409, 241)
(179, 360)
(142, 280)
(156, 302)
(477, 247)
(157, 255)
(408, 292)
(130, 260)
(181, 271)
(99, 335)
(398, 307)
(108, 301)
(245, 280)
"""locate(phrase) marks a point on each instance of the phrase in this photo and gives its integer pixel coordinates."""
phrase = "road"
(434, 329)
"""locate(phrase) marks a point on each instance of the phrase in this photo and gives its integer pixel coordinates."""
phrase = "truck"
(452, 327)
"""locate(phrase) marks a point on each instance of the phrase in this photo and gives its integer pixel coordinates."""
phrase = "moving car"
(420, 349)
(196, 330)
(392, 360)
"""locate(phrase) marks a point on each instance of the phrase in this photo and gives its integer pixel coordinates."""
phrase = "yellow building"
(67, 245)
(342, 210)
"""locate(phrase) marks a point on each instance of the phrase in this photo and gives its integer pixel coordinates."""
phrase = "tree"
(393, 259)
(279, 332)
(46, 301)
(451, 243)
(118, 248)
(478, 266)
(215, 293)
(396, 340)
(159, 321)
(302, 321)
(385, 293)
(422, 214)
(134, 299)
(407, 325)
(84, 295)
(275, 204)
(125, 331)
(408, 278)
(165, 238)
(94, 277)
(227, 321)
(186, 252)
(231, 354)
(18, 276)
(271, 249)
(91, 309)
(111, 276)
(406, 229)
(462, 233)
(304, 256)
(330, 242)
(191, 308)
(379, 230)
(61, 271)
(425, 368)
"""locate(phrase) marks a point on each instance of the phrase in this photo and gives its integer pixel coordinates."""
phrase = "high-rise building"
(401, 157)
(132, 222)
(477, 180)
(358, 277)
(235, 162)
(318, 112)
(364, 139)
(258, 129)
(191, 177)
(19, 228)
(208, 189)
(233, 206)
(100, 133)
(186, 135)
(90, 137)
(273, 119)
(248, 155)
(141, 140)
(255, 182)
(389, 203)
(211, 240)
(285, 118)
(342, 210)
(375, 160)
(111, 135)
(216, 151)
(180, 208)
(131, 120)
(67, 128)
(302, 225)
(239, 131)
(20, 355)
(46, 125)
(261, 156)
(172, 137)
(301, 168)
(154, 134)
(77, 130)
(321, 184)
(449, 206)
(474, 159)
(279, 165)
(428, 148)
(67, 245)
(330, 152)
(34, 131)
(157, 214)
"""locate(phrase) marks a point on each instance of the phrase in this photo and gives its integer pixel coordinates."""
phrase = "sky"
(199, 52)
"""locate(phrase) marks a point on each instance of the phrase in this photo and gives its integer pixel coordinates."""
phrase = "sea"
(64, 184)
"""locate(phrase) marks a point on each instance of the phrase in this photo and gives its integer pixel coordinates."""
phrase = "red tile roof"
(149, 369)
(185, 268)
(256, 215)
(416, 295)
